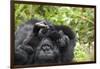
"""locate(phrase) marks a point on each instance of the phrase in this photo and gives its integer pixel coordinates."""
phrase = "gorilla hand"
(22, 54)
(64, 40)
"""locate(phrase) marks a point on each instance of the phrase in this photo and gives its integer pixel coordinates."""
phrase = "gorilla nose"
(46, 41)
(46, 48)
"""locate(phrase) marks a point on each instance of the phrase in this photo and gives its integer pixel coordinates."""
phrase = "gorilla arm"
(67, 43)
(23, 35)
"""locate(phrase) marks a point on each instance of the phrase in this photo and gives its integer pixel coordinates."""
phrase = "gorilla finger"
(42, 24)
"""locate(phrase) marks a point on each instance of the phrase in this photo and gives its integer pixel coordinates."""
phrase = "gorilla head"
(51, 46)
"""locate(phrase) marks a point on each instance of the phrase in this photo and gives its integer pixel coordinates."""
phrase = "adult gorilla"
(40, 42)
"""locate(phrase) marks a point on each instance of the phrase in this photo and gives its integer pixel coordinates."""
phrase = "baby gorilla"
(40, 42)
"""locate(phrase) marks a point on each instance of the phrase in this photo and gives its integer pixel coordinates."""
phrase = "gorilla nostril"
(45, 47)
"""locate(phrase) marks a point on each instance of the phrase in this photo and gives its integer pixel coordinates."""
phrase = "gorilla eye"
(44, 31)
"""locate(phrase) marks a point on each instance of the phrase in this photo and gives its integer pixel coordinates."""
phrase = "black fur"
(40, 42)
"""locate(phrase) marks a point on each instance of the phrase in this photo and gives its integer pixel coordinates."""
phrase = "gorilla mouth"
(46, 56)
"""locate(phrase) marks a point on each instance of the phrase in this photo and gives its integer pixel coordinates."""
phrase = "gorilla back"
(40, 42)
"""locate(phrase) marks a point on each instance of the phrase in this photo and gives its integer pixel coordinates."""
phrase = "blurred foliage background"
(80, 19)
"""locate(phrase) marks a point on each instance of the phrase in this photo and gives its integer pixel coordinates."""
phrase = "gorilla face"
(46, 51)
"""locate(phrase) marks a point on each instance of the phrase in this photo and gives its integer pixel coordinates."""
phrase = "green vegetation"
(81, 20)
